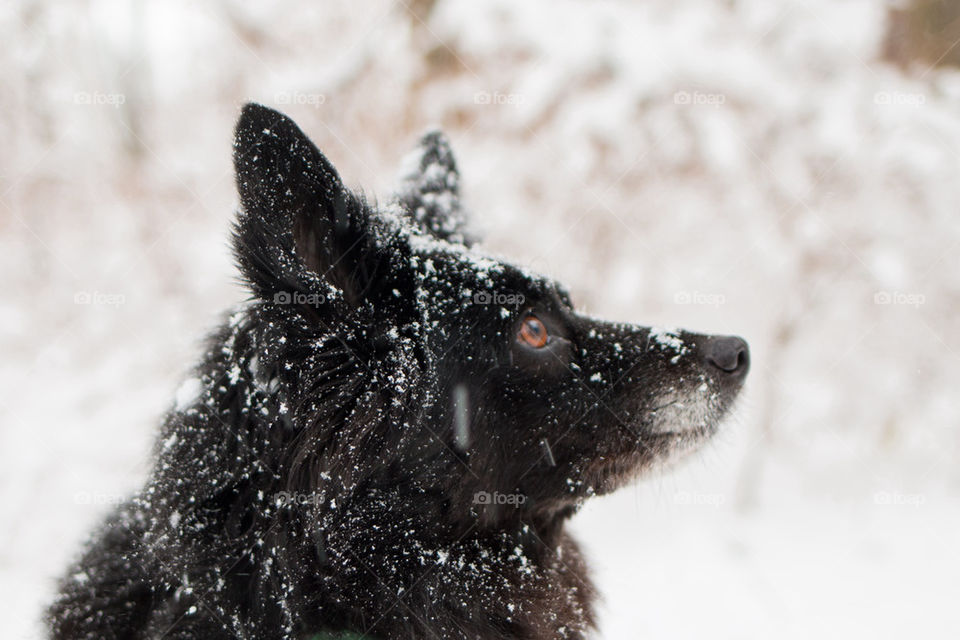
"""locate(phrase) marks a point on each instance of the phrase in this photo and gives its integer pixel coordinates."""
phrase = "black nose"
(730, 354)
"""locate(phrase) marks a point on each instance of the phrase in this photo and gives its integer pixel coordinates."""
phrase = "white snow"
(667, 339)
(187, 393)
(758, 153)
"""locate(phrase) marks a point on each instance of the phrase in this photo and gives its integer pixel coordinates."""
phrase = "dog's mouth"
(607, 473)
(679, 425)
(677, 443)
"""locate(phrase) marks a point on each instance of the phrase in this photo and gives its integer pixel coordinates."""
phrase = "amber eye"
(533, 333)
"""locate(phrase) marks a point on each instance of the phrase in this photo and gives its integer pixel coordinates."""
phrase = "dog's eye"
(533, 333)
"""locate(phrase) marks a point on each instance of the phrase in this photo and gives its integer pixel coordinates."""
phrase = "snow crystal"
(668, 338)
(188, 393)
(461, 417)
(548, 452)
(169, 442)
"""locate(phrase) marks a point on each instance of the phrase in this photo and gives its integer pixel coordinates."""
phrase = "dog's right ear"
(298, 224)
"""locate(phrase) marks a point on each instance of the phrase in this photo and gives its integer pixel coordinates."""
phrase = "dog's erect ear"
(298, 223)
(430, 190)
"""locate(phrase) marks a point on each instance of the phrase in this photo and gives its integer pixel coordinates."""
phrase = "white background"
(746, 167)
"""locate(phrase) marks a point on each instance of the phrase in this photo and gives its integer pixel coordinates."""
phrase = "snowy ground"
(743, 167)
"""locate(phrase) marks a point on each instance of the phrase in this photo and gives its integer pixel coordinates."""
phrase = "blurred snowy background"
(785, 170)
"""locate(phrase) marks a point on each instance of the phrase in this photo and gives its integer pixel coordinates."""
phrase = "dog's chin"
(652, 451)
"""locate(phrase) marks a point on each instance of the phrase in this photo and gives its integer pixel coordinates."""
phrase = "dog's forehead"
(451, 275)
(455, 262)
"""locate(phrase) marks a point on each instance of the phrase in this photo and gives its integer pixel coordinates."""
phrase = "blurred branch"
(132, 82)
(924, 31)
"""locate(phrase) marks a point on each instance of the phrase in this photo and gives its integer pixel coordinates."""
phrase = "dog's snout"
(729, 354)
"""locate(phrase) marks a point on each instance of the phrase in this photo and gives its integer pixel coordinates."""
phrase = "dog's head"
(399, 353)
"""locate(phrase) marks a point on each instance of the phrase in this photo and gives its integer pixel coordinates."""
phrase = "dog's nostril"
(728, 353)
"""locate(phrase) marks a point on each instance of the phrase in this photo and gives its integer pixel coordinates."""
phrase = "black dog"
(387, 440)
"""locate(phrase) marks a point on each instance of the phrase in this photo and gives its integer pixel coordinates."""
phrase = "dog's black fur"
(374, 443)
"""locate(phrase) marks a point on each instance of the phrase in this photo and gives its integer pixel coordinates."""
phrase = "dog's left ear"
(298, 224)
(429, 190)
